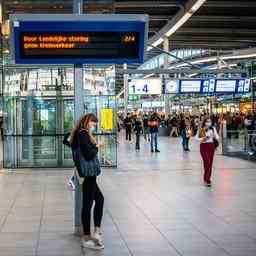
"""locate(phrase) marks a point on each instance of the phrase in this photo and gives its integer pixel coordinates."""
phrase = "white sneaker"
(91, 244)
(98, 237)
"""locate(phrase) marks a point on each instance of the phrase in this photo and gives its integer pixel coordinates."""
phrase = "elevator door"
(44, 122)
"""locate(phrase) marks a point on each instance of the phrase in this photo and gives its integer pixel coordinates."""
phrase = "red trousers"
(207, 153)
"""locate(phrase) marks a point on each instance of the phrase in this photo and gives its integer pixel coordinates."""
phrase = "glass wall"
(38, 109)
(99, 98)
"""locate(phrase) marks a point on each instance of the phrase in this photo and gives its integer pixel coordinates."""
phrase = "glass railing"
(29, 151)
(240, 143)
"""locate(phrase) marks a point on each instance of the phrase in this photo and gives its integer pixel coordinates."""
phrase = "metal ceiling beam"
(149, 4)
(174, 21)
(33, 2)
(210, 39)
(223, 18)
(177, 71)
(158, 17)
(230, 4)
(217, 31)
(209, 45)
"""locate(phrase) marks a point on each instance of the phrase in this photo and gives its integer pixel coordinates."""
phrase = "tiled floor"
(155, 205)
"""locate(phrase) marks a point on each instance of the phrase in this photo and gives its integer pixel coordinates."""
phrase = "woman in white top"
(208, 137)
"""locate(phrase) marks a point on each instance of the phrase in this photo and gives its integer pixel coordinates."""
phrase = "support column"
(166, 62)
(79, 110)
(77, 6)
(126, 92)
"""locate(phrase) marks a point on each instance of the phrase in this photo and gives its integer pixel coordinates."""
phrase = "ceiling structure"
(217, 24)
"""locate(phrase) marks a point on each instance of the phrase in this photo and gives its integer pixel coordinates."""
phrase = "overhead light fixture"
(204, 60)
(179, 23)
(238, 56)
(197, 5)
(149, 48)
(158, 41)
(148, 75)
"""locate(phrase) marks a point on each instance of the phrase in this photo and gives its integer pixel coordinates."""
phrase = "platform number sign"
(151, 86)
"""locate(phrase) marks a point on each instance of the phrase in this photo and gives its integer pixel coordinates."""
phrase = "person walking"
(185, 132)
(174, 125)
(208, 137)
(128, 127)
(137, 130)
(153, 124)
(82, 138)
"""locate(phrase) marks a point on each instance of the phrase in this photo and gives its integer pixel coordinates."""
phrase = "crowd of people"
(182, 125)
(204, 127)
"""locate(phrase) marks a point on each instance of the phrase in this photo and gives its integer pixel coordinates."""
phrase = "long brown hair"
(204, 121)
(82, 124)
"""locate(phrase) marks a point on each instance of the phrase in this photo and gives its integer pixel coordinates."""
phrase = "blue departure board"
(197, 86)
(44, 39)
(236, 85)
(232, 85)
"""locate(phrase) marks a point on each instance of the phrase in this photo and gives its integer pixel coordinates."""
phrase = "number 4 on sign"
(145, 88)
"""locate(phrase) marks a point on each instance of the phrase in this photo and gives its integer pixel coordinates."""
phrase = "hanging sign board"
(232, 85)
(79, 39)
(197, 86)
(240, 85)
(150, 86)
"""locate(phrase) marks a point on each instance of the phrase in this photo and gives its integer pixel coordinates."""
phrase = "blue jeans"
(185, 139)
(153, 140)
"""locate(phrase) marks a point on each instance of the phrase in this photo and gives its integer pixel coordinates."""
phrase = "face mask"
(93, 129)
(208, 124)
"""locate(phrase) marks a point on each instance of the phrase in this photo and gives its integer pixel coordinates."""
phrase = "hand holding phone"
(101, 144)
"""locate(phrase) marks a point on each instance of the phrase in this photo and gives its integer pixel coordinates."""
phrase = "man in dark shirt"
(145, 128)
(137, 129)
(153, 124)
(128, 127)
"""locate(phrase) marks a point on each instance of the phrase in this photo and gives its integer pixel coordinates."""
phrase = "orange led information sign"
(64, 45)
(53, 41)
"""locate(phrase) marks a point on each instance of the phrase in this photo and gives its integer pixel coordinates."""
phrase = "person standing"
(208, 137)
(128, 127)
(137, 130)
(145, 127)
(185, 132)
(153, 124)
(82, 138)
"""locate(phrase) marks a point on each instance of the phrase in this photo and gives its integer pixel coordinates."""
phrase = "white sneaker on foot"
(98, 237)
(91, 244)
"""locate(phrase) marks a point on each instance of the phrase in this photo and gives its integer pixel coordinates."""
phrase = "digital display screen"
(206, 86)
(153, 104)
(151, 86)
(190, 86)
(225, 85)
(78, 39)
(233, 85)
(85, 45)
(158, 104)
(243, 85)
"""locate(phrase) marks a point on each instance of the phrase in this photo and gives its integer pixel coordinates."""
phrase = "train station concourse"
(127, 128)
